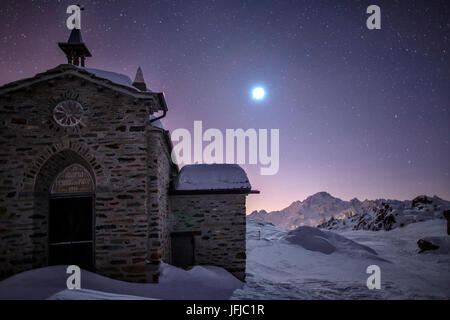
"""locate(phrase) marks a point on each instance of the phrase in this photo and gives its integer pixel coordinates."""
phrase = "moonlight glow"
(258, 93)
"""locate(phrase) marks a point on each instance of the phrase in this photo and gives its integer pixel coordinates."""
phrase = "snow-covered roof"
(114, 77)
(196, 177)
(115, 81)
(117, 78)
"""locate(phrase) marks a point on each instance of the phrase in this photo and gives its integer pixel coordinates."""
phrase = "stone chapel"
(86, 178)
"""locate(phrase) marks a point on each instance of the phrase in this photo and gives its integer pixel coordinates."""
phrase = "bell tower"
(75, 49)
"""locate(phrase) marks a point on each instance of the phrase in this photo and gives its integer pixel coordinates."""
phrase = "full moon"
(258, 93)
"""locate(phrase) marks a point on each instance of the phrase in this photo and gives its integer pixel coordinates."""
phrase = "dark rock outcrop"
(425, 245)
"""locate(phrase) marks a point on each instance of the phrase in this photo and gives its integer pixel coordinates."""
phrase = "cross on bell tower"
(75, 49)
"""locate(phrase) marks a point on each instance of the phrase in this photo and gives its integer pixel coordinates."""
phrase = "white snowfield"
(277, 268)
(86, 294)
(200, 282)
(306, 263)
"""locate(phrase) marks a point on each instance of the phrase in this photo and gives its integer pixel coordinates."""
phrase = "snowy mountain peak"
(320, 196)
(256, 212)
(355, 200)
(328, 212)
(313, 210)
(390, 214)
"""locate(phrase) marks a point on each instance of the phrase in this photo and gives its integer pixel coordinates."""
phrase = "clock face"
(68, 113)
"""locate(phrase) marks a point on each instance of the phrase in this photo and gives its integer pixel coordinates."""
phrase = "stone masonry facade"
(219, 225)
(129, 161)
(112, 146)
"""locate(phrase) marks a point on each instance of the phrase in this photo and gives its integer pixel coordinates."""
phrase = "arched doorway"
(71, 218)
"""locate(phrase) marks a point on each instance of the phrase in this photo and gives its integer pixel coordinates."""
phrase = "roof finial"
(139, 81)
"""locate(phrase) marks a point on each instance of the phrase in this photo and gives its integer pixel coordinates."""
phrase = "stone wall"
(160, 171)
(220, 219)
(111, 145)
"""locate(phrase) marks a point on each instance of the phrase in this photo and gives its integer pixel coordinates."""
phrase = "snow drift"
(326, 242)
(280, 269)
(86, 294)
(200, 282)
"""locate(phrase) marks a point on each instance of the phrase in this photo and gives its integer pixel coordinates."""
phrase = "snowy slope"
(279, 269)
(86, 294)
(201, 282)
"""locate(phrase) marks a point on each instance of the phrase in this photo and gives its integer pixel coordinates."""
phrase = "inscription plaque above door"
(73, 179)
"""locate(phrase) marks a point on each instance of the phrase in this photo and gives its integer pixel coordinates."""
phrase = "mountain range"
(325, 211)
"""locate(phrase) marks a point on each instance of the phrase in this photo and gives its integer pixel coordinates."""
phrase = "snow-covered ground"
(201, 282)
(279, 269)
(307, 263)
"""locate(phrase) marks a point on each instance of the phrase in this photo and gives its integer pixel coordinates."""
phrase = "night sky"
(362, 113)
